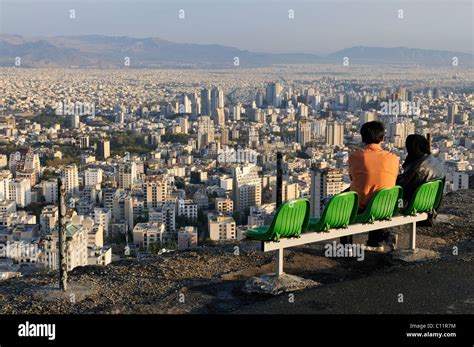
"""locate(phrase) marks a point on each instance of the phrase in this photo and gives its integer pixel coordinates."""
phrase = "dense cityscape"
(154, 161)
(252, 168)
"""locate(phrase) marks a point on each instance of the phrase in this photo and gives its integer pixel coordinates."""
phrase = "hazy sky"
(319, 26)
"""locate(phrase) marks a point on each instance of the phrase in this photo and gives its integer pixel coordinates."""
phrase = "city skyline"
(235, 157)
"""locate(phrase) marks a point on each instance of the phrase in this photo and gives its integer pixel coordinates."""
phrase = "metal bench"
(340, 218)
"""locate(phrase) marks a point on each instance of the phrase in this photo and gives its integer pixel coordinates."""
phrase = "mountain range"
(98, 51)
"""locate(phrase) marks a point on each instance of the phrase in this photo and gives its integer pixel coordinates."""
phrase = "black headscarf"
(417, 147)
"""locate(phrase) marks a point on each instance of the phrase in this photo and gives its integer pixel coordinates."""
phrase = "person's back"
(419, 167)
(372, 168)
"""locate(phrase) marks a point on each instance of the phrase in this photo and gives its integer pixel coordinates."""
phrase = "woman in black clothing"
(419, 166)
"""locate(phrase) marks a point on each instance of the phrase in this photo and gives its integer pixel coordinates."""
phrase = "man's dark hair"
(372, 132)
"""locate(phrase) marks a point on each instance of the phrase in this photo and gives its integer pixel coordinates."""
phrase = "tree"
(48, 174)
(36, 208)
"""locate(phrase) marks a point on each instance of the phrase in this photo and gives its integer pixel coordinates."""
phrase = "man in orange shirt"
(370, 170)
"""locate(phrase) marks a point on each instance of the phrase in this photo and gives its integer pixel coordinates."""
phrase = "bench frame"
(352, 229)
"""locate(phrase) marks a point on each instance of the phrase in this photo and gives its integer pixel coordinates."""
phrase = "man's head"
(372, 132)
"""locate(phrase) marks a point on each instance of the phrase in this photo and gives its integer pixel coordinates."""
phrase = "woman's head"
(417, 146)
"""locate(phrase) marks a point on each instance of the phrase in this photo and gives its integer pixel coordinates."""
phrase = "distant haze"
(318, 27)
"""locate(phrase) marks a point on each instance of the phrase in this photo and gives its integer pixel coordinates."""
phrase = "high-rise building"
(335, 134)
(156, 191)
(185, 105)
(315, 101)
(224, 136)
(71, 179)
(3, 161)
(259, 98)
(205, 102)
(5, 178)
(219, 117)
(108, 194)
(398, 132)
(127, 173)
(289, 191)
(319, 129)
(324, 183)
(49, 218)
(402, 94)
(224, 206)
(188, 209)
(303, 132)
(184, 125)
(50, 190)
(303, 111)
(75, 121)
(165, 213)
(195, 104)
(187, 237)
(76, 245)
(102, 217)
(25, 160)
(274, 94)
(103, 149)
(254, 137)
(205, 131)
(247, 187)
(148, 234)
(452, 111)
(122, 209)
(255, 115)
(367, 116)
(217, 99)
(20, 191)
(83, 141)
(236, 110)
(92, 177)
(222, 228)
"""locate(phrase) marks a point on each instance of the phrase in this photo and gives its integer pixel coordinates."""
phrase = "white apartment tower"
(50, 190)
(20, 192)
(324, 183)
(126, 175)
(71, 179)
(335, 134)
(247, 187)
(5, 178)
(92, 177)
(205, 131)
(303, 133)
(156, 191)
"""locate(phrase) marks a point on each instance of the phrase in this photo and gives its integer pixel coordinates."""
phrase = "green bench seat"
(382, 206)
(340, 211)
(427, 198)
(290, 220)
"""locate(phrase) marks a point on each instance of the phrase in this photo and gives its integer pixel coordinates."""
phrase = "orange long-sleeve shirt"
(372, 169)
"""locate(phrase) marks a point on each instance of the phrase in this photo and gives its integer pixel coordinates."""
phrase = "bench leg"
(279, 262)
(413, 236)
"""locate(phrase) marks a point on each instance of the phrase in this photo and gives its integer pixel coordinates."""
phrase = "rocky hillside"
(210, 280)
